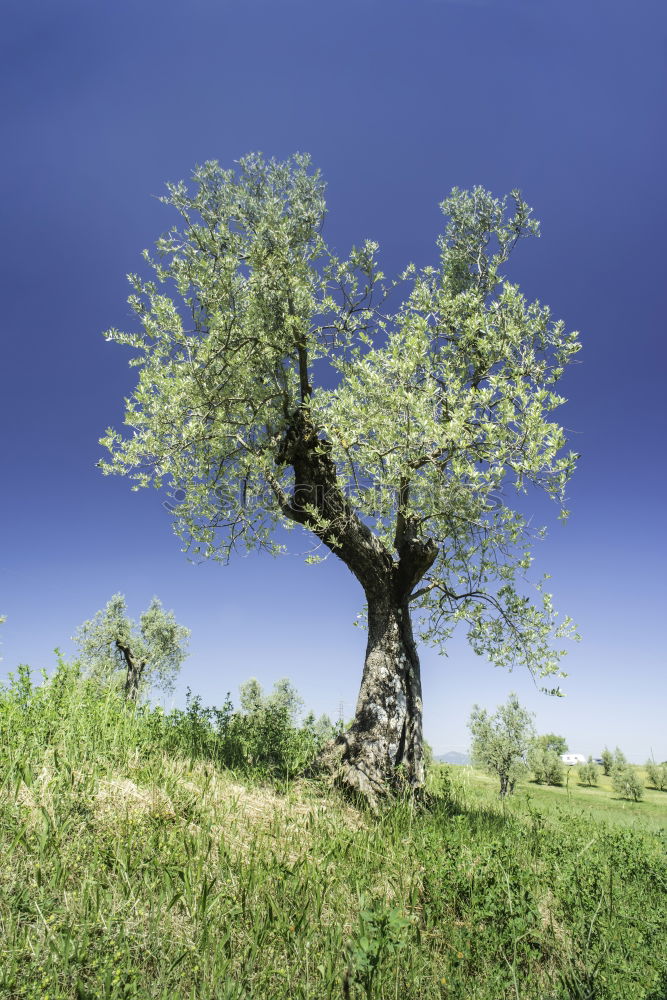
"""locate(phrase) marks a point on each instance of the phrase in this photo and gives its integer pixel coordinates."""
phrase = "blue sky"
(397, 102)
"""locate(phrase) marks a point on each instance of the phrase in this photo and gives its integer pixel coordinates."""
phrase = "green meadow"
(136, 865)
(572, 799)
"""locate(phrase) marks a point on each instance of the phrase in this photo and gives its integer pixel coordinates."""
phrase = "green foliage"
(131, 873)
(626, 783)
(607, 759)
(115, 650)
(551, 741)
(263, 739)
(381, 934)
(588, 772)
(545, 764)
(501, 742)
(657, 774)
(253, 335)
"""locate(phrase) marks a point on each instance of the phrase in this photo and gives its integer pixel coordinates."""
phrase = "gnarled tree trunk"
(382, 750)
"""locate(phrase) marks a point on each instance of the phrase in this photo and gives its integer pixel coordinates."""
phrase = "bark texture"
(133, 674)
(383, 749)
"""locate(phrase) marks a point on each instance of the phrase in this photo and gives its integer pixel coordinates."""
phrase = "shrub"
(626, 783)
(264, 737)
(657, 775)
(588, 773)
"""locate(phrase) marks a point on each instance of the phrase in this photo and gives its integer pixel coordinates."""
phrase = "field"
(131, 870)
(600, 803)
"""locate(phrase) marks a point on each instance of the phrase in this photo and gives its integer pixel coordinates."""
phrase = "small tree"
(500, 742)
(113, 647)
(657, 775)
(588, 772)
(607, 759)
(625, 782)
(545, 764)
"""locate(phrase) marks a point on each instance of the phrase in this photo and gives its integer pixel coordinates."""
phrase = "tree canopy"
(427, 412)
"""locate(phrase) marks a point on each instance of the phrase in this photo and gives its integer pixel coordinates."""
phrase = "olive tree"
(607, 759)
(501, 742)
(114, 648)
(657, 774)
(588, 772)
(282, 385)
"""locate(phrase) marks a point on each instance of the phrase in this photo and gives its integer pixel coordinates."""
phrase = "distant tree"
(284, 698)
(619, 760)
(607, 759)
(626, 783)
(546, 765)
(551, 741)
(588, 772)
(276, 388)
(113, 648)
(500, 742)
(657, 775)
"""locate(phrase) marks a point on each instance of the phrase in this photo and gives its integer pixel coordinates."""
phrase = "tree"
(284, 698)
(551, 741)
(112, 646)
(545, 764)
(500, 742)
(625, 781)
(588, 772)
(276, 388)
(607, 759)
(657, 774)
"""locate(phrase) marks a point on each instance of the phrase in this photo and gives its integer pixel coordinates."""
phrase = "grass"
(133, 872)
(600, 803)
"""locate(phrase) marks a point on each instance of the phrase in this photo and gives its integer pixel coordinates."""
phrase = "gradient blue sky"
(397, 101)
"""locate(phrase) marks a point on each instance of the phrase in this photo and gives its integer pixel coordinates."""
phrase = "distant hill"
(453, 757)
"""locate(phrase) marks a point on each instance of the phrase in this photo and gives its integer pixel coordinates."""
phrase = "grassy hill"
(135, 867)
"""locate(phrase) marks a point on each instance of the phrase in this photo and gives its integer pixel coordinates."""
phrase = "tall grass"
(135, 866)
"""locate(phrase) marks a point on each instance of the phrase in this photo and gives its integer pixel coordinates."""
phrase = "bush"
(588, 773)
(657, 775)
(625, 782)
(264, 737)
(546, 765)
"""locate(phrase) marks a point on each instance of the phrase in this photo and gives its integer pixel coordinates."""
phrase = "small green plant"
(381, 934)
(588, 772)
